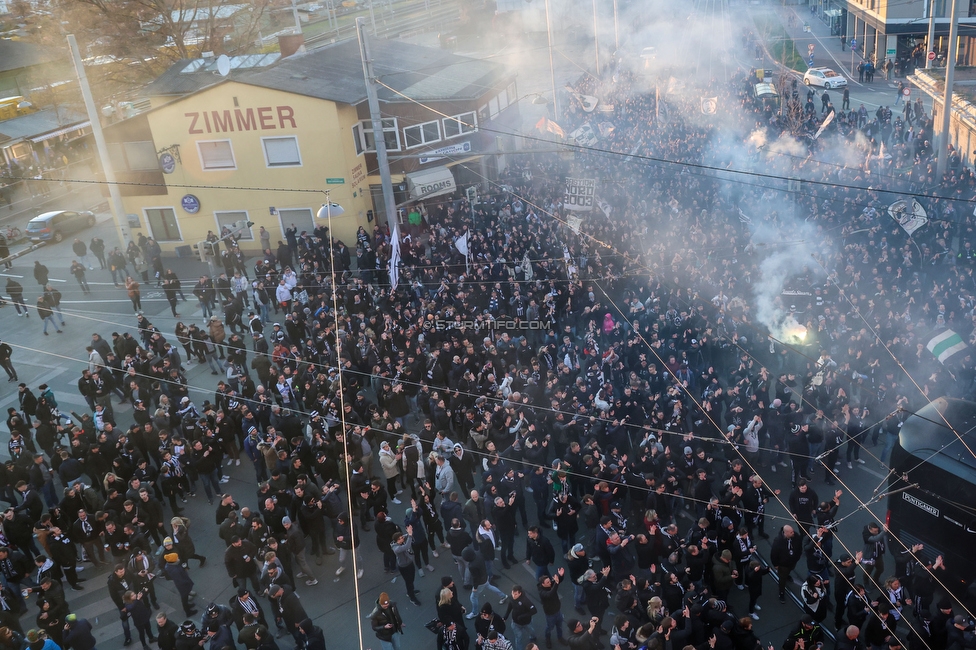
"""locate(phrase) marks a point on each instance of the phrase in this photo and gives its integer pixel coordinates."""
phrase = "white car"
(824, 77)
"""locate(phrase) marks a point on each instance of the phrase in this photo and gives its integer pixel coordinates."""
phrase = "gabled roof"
(41, 122)
(335, 73)
(15, 55)
(187, 76)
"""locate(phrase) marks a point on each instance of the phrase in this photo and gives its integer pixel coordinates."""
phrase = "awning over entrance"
(430, 182)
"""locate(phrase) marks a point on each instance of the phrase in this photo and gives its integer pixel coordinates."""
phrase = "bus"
(932, 488)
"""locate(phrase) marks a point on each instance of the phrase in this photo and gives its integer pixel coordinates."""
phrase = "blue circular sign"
(168, 163)
(190, 203)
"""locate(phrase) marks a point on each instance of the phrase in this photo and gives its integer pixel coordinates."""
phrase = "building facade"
(270, 145)
(892, 29)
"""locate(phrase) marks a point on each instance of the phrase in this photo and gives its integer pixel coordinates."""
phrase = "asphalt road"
(58, 359)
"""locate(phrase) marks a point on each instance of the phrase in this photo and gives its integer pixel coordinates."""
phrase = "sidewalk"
(828, 53)
(33, 197)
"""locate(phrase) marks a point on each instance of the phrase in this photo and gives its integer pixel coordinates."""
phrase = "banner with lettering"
(580, 194)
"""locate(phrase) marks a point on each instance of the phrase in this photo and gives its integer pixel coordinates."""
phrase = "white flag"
(574, 223)
(461, 243)
(394, 268)
(909, 217)
(826, 123)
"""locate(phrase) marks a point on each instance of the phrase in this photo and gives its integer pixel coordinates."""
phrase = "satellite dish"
(223, 65)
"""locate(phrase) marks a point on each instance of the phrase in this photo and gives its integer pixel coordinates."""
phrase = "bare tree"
(128, 43)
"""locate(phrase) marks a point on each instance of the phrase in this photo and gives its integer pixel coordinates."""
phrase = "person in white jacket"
(283, 295)
(750, 439)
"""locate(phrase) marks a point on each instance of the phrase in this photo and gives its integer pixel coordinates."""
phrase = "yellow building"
(266, 142)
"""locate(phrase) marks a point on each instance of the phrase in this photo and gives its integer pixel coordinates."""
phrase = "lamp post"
(329, 210)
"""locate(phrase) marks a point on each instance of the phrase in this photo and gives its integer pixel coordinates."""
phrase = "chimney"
(289, 44)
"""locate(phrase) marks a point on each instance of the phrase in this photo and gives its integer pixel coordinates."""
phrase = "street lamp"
(329, 210)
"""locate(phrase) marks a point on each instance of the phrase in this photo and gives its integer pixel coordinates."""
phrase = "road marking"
(11, 275)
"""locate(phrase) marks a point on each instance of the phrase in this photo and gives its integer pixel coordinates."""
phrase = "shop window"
(163, 224)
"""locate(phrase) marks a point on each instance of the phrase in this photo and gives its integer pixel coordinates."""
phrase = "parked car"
(53, 226)
(824, 77)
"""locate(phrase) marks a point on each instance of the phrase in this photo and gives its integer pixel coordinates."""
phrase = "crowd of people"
(599, 399)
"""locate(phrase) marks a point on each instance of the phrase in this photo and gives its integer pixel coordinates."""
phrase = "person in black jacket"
(552, 606)
(503, 515)
(451, 612)
(65, 555)
(314, 637)
(850, 640)
(5, 353)
(243, 604)
(784, 555)
(386, 622)
(78, 634)
(597, 592)
(521, 609)
(32, 503)
(241, 562)
(487, 621)
(807, 631)
(289, 608)
(165, 632)
(581, 638)
(539, 551)
(120, 583)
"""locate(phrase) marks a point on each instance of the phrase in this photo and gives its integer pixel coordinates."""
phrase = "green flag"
(945, 345)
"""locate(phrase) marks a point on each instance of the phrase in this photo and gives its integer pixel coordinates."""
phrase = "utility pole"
(552, 70)
(596, 39)
(616, 31)
(930, 44)
(379, 138)
(118, 210)
(296, 18)
(372, 18)
(947, 100)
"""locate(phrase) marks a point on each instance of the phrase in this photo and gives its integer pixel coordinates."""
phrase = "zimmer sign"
(580, 194)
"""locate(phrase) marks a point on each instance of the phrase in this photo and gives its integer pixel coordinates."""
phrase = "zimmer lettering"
(264, 118)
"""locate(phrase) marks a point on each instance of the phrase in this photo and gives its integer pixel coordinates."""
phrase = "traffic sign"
(931, 56)
(906, 91)
(810, 48)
